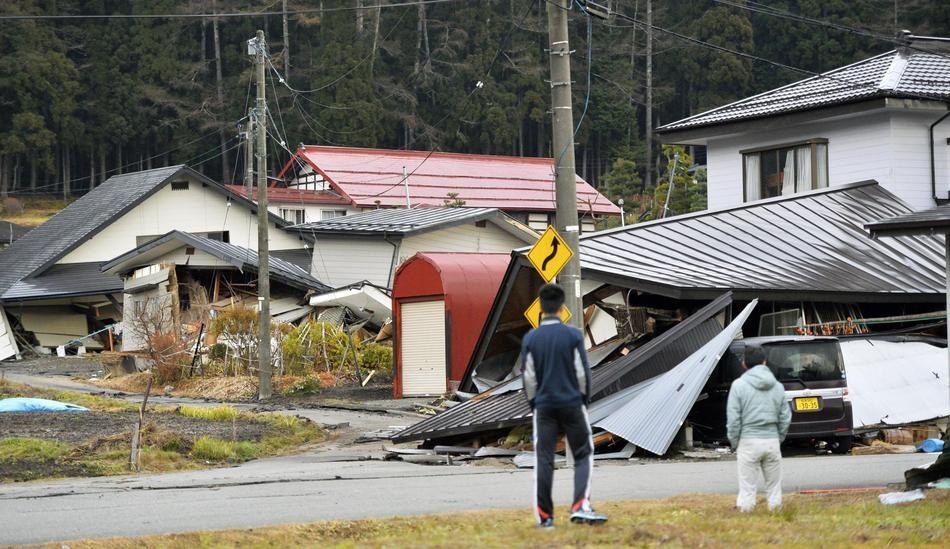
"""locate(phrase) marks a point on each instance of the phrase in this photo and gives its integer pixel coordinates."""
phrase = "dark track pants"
(548, 424)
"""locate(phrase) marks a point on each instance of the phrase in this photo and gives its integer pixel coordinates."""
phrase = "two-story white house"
(886, 118)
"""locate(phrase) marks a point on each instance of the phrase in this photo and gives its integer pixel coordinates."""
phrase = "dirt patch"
(88, 427)
(24, 470)
(50, 365)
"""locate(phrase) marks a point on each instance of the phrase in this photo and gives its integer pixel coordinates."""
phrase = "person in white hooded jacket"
(757, 420)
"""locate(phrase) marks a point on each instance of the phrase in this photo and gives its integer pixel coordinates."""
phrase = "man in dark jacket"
(557, 384)
(757, 420)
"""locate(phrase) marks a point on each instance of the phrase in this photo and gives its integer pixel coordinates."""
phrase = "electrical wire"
(222, 15)
(756, 7)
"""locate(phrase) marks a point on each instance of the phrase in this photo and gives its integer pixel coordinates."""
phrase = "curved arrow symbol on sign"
(552, 255)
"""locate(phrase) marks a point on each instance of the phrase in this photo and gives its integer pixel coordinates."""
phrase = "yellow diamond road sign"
(533, 314)
(550, 254)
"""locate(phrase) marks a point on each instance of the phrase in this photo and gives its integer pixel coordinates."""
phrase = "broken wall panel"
(55, 325)
(895, 383)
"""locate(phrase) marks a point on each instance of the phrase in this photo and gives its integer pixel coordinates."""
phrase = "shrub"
(309, 385)
(378, 357)
(171, 360)
(319, 345)
(217, 413)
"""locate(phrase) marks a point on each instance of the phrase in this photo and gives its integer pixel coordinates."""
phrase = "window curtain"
(788, 174)
(821, 152)
(753, 177)
(802, 169)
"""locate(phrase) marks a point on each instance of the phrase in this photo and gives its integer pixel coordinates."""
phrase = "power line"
(756, 7)
(220, 15)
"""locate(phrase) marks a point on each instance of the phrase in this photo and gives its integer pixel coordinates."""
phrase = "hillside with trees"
(85, 98)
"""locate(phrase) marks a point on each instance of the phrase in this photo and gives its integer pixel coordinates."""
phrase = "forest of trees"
(83, 99)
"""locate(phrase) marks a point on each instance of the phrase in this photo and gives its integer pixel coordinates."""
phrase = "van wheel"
(840, 445)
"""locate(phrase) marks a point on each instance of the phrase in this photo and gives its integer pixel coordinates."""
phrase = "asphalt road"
(308, 488)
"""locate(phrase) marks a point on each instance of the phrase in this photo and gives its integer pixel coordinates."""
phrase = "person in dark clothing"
(557, 383)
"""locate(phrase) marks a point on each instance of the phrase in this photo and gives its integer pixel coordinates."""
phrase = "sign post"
(549, 255)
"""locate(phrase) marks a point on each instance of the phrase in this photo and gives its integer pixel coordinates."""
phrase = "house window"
(785, 170)
(293, 215)
(330, 214)
(220, 236)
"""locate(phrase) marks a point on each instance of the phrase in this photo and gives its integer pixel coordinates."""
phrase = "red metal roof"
(467, 281)
(505, 182)
(286, 195)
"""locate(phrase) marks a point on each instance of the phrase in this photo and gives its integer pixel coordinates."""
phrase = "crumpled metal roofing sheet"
(892, 383)
(891, 74)
(812, 243)
(373, 177)
(508, 407)
(652, 417)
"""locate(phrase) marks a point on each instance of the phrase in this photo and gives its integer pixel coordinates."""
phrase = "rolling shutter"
(422, 345)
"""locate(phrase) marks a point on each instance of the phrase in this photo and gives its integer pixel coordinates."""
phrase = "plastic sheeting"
(651, 417)
(893, 383)
(38, 405)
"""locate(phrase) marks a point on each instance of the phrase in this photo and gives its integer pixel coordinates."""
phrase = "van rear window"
(806, 361)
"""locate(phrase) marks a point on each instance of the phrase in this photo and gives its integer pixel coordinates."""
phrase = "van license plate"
(808, 404)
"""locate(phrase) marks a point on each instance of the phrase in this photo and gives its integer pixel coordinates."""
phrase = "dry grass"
(236, 388)
(827, 520)
(36, 210)
(216, 413)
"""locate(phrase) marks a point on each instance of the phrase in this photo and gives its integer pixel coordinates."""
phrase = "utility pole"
(669, 188)
(565, 177)
(648, 182)
(263, 270)
(249, 138)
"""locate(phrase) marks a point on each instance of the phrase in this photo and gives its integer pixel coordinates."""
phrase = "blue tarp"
(37, 405)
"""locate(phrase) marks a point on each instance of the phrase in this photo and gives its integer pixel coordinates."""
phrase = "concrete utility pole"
(565, 175)
(648, 182)
(263, 270)
(249, 137)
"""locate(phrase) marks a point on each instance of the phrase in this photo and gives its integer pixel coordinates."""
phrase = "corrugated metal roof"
(242, 258)
(373, 177)
(503, 407)
(912, 74)
(652, 417)
(934, 220)
(69, 279)
(397, 220)
(300, 258)
(813, 243)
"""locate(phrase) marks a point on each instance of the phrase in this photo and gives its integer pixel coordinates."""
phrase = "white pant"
(754, 455)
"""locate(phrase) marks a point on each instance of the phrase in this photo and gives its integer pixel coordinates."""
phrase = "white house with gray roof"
(51, 282)
(885, 119)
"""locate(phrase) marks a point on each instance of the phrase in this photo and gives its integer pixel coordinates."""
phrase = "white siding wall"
(341, 261)
(198, 209)
(890, 147)
(462, 238)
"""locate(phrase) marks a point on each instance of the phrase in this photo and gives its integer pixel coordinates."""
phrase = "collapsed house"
(52, 289)
(672, 286)
(180, 279)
